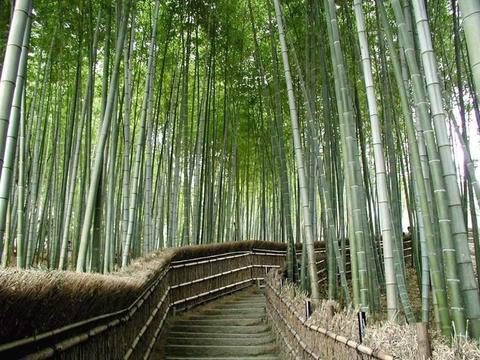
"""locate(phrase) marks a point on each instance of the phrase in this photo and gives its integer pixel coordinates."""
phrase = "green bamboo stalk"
(323, 186)
(99, 149)
(277, 139)
(19, 23)
(32, 209)
(299, 158)
(186, 171)
(11, 140)
(148, 203)
(384, 204)
(145, 116)
(470, 10)
(76, 154)
(436, 274)
(9, 76)
(110, 198)
(351, 161)
(468, 282)
(453, 286)
(21, 190)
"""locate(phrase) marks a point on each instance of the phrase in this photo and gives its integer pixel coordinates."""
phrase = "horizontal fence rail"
(307, 341)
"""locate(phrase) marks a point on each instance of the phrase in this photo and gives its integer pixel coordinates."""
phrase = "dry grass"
(401, 340)
(35, 301)
(190, 252)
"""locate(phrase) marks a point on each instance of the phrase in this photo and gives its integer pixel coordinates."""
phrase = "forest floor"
(396, 338)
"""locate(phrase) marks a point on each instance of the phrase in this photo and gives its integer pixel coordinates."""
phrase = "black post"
(308, 309)
(362, 322)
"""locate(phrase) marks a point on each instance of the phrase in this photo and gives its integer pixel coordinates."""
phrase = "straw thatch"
(35, 301)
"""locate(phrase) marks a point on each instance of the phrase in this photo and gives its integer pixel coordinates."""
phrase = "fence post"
(308, 309)
(252, 268)
(423, 340)
(362, 322)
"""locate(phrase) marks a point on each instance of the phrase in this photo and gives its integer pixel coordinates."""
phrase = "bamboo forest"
(239, 179)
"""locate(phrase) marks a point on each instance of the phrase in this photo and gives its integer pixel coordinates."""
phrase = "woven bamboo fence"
(302, 340)
(192, 276)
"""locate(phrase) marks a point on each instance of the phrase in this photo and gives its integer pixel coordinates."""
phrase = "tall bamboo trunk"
(11, 140)
(100, 147)
(468, 282)
(299, 159)
(386, 225)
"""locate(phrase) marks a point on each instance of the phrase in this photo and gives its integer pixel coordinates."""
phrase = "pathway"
(232, 327)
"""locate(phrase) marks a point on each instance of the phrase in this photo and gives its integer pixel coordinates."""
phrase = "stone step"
(251, 312)
(202, 316)
(219, 350)
(231, 328)
(219, 322)
(223, 341)
(190, 334)
(240, 306)
(245, 297)
(254, 329)
(255, 304)
(260, 297)
(246, 301)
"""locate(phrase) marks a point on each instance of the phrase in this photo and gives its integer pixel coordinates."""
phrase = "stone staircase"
(232, 327)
